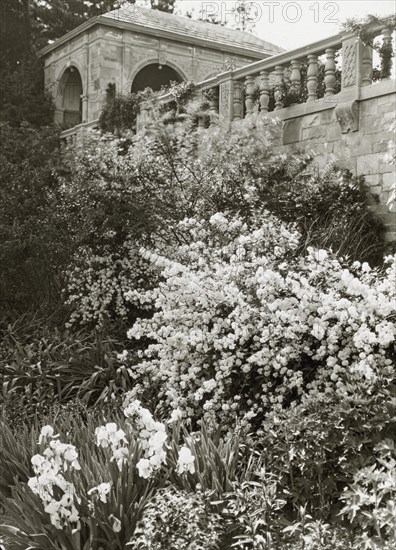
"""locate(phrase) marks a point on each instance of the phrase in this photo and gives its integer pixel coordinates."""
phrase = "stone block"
(312, 133)
(367, 164)
(333, 131)
(383, 165)
(388, 180)
(327, 117)
(371, 124)
(387, 107)
(292, 131)
(373, 181)
(385, 99)
(368, 106)
(310, 121)
(361, 145)
(380, 146)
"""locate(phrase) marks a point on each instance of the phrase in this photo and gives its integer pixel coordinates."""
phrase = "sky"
(291, 24)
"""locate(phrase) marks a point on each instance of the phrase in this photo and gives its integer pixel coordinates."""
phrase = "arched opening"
(72, 91)
(154, 76)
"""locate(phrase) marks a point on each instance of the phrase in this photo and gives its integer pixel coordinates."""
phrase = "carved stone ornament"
(347, 115)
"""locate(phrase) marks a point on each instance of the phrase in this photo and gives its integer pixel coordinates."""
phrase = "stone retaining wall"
(362, 150)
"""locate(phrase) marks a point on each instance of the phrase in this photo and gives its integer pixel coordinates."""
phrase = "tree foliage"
(32, 240)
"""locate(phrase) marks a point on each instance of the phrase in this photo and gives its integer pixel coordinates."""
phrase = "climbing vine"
(363, 29)
(120, 111)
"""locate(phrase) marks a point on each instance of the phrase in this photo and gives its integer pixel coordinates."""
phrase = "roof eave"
(100, 20)
(68, 36)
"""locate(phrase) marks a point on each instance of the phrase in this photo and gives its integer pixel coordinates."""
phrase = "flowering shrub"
(242, 323)
(176, 519)
(121, 195)
(99, 285)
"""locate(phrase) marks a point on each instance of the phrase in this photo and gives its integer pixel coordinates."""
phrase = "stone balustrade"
(332, 109)
(260, 86)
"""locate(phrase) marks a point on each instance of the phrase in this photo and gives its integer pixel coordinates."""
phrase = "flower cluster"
(101, 491)
(185, 461)
(244, 323)
(50, 484)
(109, 436)
(152, 437)
(99, 285)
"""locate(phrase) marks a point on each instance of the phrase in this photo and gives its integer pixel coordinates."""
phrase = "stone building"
(136, 48)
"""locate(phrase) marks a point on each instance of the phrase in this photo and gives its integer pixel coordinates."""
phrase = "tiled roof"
(188, 29)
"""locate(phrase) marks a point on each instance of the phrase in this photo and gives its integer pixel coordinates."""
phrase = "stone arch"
(69, 104)
(156, 76)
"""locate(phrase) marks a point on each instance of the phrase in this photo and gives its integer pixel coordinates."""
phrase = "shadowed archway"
(155, 76)
(71, 100)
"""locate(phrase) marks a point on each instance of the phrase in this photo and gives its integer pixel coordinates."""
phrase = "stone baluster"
(387, 43)
(330, 68)
(312, 77)
(279, 73)
(295, 77)
(367, 65)
(237, 100)
(264, 92)
(249, 92)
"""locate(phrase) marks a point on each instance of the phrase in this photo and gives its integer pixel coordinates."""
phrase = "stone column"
(357, 64)
(226, 101)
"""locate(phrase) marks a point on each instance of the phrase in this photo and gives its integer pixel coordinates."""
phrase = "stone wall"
(361, 150)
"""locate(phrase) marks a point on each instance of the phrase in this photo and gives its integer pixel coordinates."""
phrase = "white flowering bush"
(99, 284)
(125, 193)
(243, 323)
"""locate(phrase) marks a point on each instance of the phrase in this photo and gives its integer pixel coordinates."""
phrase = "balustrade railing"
(308, 74)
